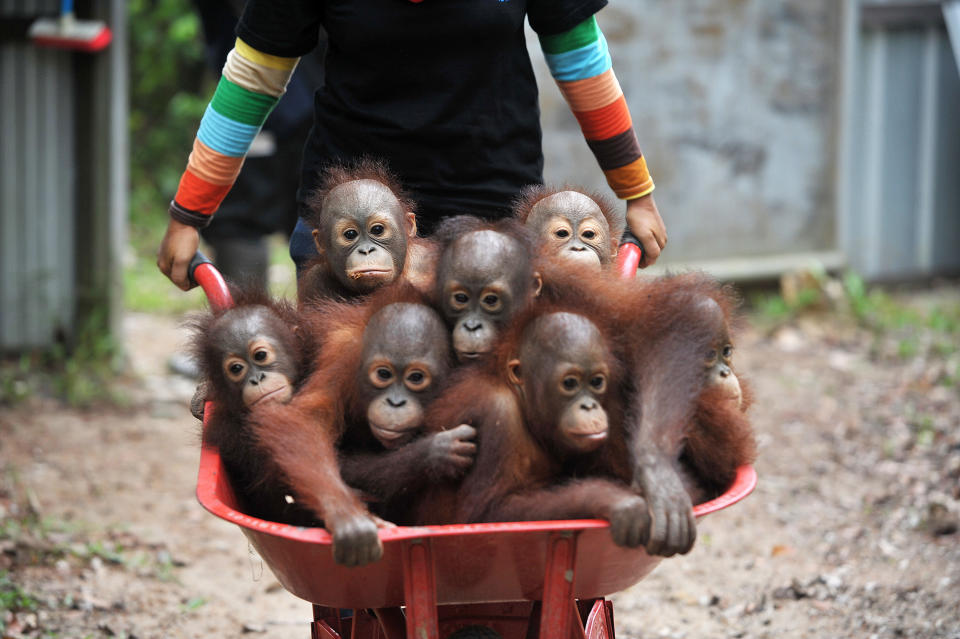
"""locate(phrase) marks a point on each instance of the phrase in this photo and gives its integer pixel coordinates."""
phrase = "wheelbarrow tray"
(467, 563)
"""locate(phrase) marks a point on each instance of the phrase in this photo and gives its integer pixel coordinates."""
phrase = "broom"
(66, 32)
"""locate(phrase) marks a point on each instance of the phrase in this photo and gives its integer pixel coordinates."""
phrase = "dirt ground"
(852, 531)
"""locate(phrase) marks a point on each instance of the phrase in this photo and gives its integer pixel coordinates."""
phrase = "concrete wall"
(734, 102)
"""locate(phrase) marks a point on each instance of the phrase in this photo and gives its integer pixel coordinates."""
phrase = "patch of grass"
(193, 604)
(84, 374)
(799, 293)
(80, 373)
(945, 348)
(109, 553)
(876, 309)
(13, 598)
(915, 330)
(925, 431)
(952, 377)
(16, 384)
(770, 308)
(147, 290)
(164, 571)
(908, 347)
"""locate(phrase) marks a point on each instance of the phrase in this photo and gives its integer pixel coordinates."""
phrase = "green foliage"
(194, 604)
(146, 289)
(105, 551)
(770, 308)
(14, 599)
(169, 89)
(84, 374)
(15, 384)
(80, 373)
(914, 329)
(876, 310)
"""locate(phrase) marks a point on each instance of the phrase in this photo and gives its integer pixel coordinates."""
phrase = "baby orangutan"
(720, 438)
(572, 224)
(251, 355)
(381, 362)
(485, 275)
(548, 414)
(384, 451)
(684, 421)
(364, 229)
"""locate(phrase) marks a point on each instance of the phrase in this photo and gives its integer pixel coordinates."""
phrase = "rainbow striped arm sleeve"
(250, 86)
(580, 63)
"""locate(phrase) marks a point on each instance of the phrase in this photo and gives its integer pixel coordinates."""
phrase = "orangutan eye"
(417, 380)
(350, 234)
(376, 229)
(461, 298)
(569, 383)
(490, 300)
(563, 233)
(384, 373)
(234, 368)
(727, 351)
(260, 355)
(598, 382)
(589, 235)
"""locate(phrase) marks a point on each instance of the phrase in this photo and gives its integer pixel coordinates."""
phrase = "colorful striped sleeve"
(250, 86)
(580, 63)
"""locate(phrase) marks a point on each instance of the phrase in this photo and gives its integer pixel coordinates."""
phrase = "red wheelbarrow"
(545, 579)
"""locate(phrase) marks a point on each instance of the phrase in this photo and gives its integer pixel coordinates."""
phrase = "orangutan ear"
(316, 241)
(513, 372)
(411, 219)
(537, 283)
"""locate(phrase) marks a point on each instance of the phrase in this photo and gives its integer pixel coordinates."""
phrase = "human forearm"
(580, 63)
(251, 85)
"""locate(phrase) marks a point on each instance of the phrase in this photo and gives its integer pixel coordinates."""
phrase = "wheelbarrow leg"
(392, 623)
(366, 625)
(600, 621)
(559, 618)
(326, 623)
(420, 590)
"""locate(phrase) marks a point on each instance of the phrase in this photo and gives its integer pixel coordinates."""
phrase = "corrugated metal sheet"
(37, 158)
(63, 178)
(902, 192)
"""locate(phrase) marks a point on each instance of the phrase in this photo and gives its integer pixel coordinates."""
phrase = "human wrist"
(642, 193)
(186, 217)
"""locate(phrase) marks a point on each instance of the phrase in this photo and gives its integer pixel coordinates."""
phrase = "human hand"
(644, 221)
(177, 248)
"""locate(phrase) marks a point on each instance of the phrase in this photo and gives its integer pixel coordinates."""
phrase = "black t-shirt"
(442, 89)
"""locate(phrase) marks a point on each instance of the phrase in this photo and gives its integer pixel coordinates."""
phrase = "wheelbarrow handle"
(629, 255)
(202, 272)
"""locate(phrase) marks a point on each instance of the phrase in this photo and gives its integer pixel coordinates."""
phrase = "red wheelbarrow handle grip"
(629, 255)
(202, 272)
